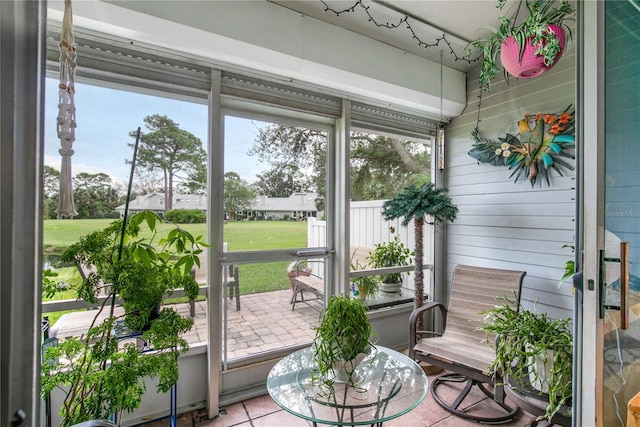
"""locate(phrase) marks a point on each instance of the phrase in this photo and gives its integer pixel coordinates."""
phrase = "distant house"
(155, 203)
(298, 206)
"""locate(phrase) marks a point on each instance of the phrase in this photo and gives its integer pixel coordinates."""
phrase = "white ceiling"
(460, 20)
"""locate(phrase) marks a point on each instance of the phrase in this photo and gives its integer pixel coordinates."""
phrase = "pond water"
(52, 261)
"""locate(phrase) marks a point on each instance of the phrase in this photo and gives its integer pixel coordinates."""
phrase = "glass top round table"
(387, 385)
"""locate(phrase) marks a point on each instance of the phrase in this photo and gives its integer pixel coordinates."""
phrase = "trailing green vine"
(522, 334)
(343, 333)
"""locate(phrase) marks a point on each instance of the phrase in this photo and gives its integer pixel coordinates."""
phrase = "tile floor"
(264, 412)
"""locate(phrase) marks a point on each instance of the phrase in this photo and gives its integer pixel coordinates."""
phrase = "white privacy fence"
(369, 228)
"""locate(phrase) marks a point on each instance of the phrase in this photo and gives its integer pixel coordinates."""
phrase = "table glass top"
(388, 384)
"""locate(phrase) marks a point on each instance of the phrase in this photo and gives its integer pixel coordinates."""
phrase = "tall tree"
(147, 182)
(380, 166)
(281, 180)
(176, 153)
(86, 180)
(51, 186)
(51, 178)
(95, 195)
(237, 194)
(196, 182)
(304, 148)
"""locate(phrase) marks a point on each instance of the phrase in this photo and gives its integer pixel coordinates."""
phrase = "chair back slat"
(463, 349)
(474, 290)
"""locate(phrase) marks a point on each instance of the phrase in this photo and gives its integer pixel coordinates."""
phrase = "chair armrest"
(413, 318)
(307, 270)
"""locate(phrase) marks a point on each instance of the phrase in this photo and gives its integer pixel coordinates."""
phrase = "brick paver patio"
(264, 322)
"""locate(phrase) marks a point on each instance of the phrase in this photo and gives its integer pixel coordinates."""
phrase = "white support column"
(591, 143)
(22, 35)
(339, 173)
(215, 222)
(439, 272)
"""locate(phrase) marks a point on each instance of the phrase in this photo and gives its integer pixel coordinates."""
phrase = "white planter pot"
(390, 288)
(539, 370)
(539, 366)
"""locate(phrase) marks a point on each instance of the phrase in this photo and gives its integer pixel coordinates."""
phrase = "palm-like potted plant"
(100, 373)
(528, 47)
(532, 348)
(418, 203)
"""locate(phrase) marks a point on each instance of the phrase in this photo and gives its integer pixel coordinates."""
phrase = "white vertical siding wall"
(501, 224)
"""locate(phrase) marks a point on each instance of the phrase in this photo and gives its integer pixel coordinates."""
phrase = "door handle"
(624, 285)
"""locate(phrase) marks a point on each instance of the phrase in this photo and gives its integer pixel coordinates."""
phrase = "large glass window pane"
(621, 343)
(262, 318)
(274, 173)
(107, 120)
(274, 190)
(381, 166)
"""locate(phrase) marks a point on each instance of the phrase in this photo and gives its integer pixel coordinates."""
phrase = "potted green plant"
(390, 254)
(101, 373)
(342, 339)
(364, 286)
(418, 203)
(569, 267)
(527, 47)
(532, 347)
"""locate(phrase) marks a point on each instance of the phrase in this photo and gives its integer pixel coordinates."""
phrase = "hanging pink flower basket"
(531, 64)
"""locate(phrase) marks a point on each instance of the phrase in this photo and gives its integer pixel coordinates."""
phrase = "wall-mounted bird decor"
(533, 151)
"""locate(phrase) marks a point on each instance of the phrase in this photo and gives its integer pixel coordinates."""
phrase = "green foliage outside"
(380, 166)
(186, 216)
(237, 195)
(282, 181)
(95, 195)
(173, 151)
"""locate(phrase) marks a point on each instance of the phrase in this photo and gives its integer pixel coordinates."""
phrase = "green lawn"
(239, 235)
(60, 233)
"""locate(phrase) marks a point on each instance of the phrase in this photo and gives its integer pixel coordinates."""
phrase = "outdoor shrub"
(186, 216)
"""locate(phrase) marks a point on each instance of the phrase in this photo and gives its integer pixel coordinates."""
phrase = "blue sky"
(106, 116)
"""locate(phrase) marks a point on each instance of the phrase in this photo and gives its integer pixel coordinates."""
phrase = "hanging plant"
(527, 59)
(533, 151)
(526, 49)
